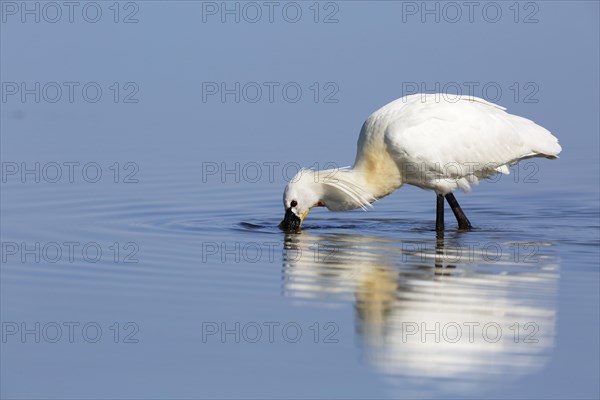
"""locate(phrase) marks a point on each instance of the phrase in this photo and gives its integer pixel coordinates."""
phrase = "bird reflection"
(438, 313)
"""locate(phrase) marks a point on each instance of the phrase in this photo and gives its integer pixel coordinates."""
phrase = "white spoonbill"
(426, 140)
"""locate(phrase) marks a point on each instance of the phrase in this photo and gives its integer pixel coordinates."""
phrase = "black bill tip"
(291, 222)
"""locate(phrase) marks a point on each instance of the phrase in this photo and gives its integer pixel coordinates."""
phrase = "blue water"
(140, 251)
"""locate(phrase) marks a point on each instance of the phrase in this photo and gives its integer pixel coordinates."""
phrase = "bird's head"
(300, 195)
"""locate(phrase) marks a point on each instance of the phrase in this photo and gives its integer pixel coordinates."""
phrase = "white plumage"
(427, 140)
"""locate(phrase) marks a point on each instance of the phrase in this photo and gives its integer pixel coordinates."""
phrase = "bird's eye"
(294, 203)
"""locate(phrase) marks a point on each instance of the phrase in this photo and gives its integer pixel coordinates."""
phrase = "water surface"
(167, 277)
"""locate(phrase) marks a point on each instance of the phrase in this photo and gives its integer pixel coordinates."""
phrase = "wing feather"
(445, 145)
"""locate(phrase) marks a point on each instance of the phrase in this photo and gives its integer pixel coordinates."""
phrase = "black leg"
(439, 213)
(463, 221)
